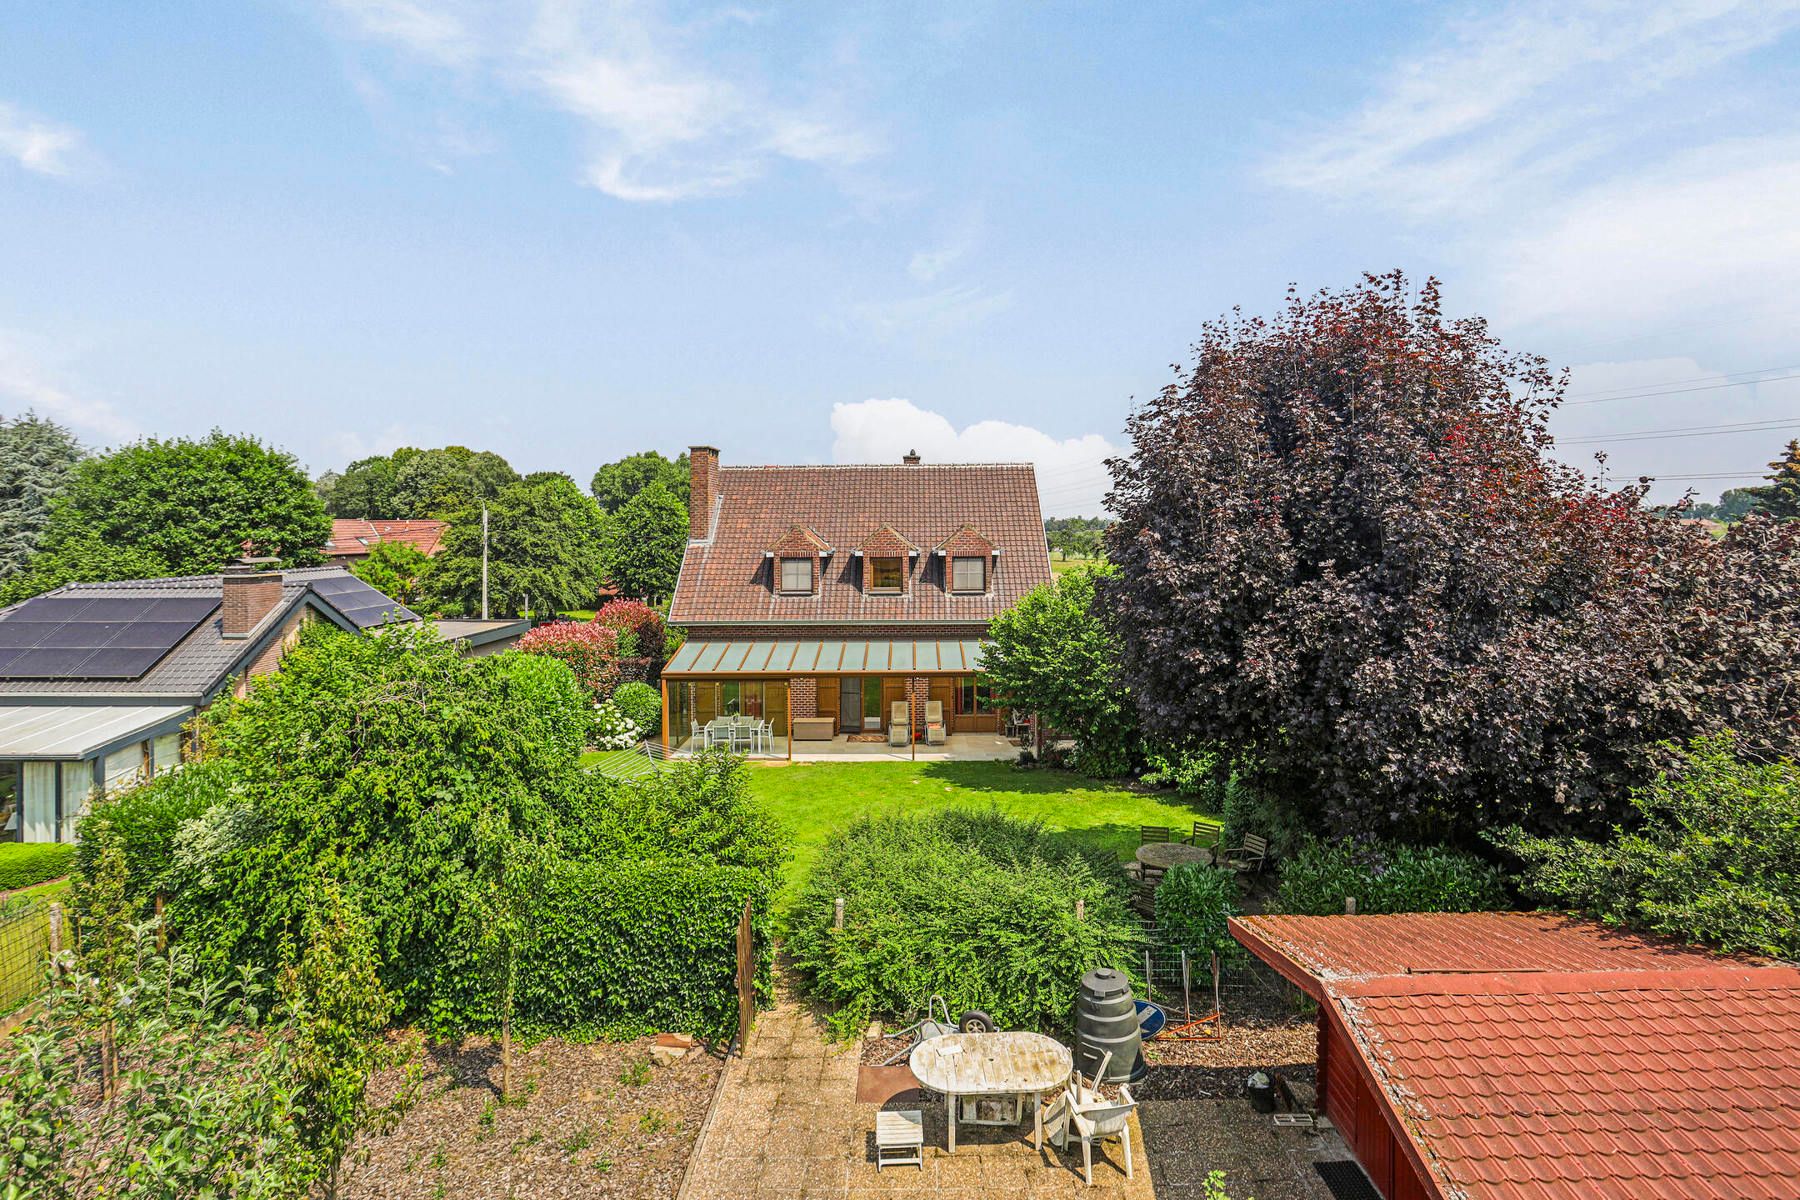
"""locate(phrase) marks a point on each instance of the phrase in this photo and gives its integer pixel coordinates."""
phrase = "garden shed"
(1506, 1056)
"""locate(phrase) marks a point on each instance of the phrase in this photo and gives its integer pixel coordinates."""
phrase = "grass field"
(814, 799)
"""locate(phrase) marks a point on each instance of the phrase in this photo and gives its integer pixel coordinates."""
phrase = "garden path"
(787, 1125)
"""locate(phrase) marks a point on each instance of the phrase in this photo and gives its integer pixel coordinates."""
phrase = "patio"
(958, 747)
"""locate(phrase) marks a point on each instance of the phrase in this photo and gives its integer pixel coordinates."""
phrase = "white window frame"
(782, 579)
(956, 560)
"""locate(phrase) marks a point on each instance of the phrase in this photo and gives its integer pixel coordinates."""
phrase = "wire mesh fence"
(24, 951)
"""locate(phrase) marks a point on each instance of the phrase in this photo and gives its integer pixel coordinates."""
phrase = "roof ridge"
(914, 467)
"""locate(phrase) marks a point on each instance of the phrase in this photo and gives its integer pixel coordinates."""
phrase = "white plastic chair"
(1097, 1123)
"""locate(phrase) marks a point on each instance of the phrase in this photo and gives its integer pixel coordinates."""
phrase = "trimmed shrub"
(1193, 903)
(698, 808)
(1714, 856)
(641, 704)
(25, 863)
(642, 623)
(588, 649)
(621, 948)
(977, 907)
(1387, 878)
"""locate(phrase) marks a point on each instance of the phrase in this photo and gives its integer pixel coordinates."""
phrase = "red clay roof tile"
(725, 578)
(352, 537)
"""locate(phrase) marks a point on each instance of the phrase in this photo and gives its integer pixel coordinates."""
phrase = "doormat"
(1346, 1180)
(866, 737)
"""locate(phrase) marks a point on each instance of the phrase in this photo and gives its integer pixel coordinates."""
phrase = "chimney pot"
(703, 490)
(910, 458)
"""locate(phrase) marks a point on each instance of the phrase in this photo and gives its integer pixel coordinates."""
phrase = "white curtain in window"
(37, 800)
(166, 752)
(77, 787)
(124, 767)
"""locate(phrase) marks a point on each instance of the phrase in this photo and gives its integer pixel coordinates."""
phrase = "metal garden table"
(992, 1064)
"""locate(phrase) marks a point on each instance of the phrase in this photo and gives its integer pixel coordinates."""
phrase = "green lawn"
(814, 799)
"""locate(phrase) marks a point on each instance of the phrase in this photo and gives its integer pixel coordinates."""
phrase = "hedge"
(1387, 878)
(624, 948)
(25, 863)
(977, 907)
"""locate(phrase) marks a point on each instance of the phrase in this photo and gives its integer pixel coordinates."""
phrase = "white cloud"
(37, 145)
(24, 384)
(1071, 477)
(1518, 95)
(1709, 231)
(664, 124)
(926, 265)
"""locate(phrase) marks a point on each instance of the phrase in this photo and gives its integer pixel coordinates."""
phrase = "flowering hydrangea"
(613, 730)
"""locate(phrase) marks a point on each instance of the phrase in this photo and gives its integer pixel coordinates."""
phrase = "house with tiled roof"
(353, 538)
(817, 597)
(98, 679)
(1532, 1056)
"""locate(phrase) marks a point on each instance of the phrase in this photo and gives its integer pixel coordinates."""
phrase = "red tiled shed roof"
(353, 537)
(725, 579)
(1525, 1068)
(1316, 951)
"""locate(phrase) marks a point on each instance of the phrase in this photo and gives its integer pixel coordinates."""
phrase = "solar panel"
(105, 637)
(360, 604)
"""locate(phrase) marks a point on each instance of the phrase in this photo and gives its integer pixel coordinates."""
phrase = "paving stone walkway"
(787, 1126)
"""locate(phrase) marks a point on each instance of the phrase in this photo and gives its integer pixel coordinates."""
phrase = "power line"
(1651, 435)
(1599, 395)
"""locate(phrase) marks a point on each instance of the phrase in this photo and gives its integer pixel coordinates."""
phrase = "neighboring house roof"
(725, 578)
(352, 537)
(200, 663)
(54, 731)
(1530, 1056)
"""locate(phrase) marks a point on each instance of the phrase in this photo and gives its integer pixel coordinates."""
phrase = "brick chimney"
(703, 490)
(910, 458)
(251, 590)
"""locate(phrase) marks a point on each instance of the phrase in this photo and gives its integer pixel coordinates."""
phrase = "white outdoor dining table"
(990, 1064)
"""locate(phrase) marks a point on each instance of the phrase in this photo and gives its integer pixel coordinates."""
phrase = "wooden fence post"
(162, 930)
(746, 980)
(837, 914)
(56, 928)
(1349, 906)
(1080, 909)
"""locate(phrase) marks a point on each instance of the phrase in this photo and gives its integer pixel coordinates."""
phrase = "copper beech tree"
(1345, 555)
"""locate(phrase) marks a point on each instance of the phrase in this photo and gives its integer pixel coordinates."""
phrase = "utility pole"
(484, 604)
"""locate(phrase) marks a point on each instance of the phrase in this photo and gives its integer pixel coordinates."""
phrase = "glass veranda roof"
(866, 656)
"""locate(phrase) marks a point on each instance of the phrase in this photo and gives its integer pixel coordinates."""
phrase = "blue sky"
(567, 231)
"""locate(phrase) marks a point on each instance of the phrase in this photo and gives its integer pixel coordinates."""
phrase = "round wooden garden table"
(1163, 855)
(990, 1064)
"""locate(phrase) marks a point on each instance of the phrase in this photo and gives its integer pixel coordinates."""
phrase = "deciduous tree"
(1346, 557)
(617, 482)
(645, 539)
(544, 546)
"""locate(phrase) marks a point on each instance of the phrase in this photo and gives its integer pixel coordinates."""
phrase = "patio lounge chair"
(899, 724)
(934, 722)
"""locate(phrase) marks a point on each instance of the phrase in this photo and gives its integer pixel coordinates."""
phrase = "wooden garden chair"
(1148, 834)
(1248, 857)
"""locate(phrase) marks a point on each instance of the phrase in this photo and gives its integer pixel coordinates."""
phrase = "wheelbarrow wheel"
(976, 1021)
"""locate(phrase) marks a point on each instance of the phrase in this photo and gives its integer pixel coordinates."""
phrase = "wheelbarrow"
(972, 1021)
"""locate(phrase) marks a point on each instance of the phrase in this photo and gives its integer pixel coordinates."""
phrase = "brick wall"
(270, 658)
(822, 632)
(803, 697)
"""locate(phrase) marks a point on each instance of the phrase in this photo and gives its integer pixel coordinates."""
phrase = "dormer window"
(887, 574)
(968, 574)
(797, 576)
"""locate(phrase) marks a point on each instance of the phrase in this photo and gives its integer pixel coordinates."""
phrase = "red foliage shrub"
(591, 650)
(635, 617)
